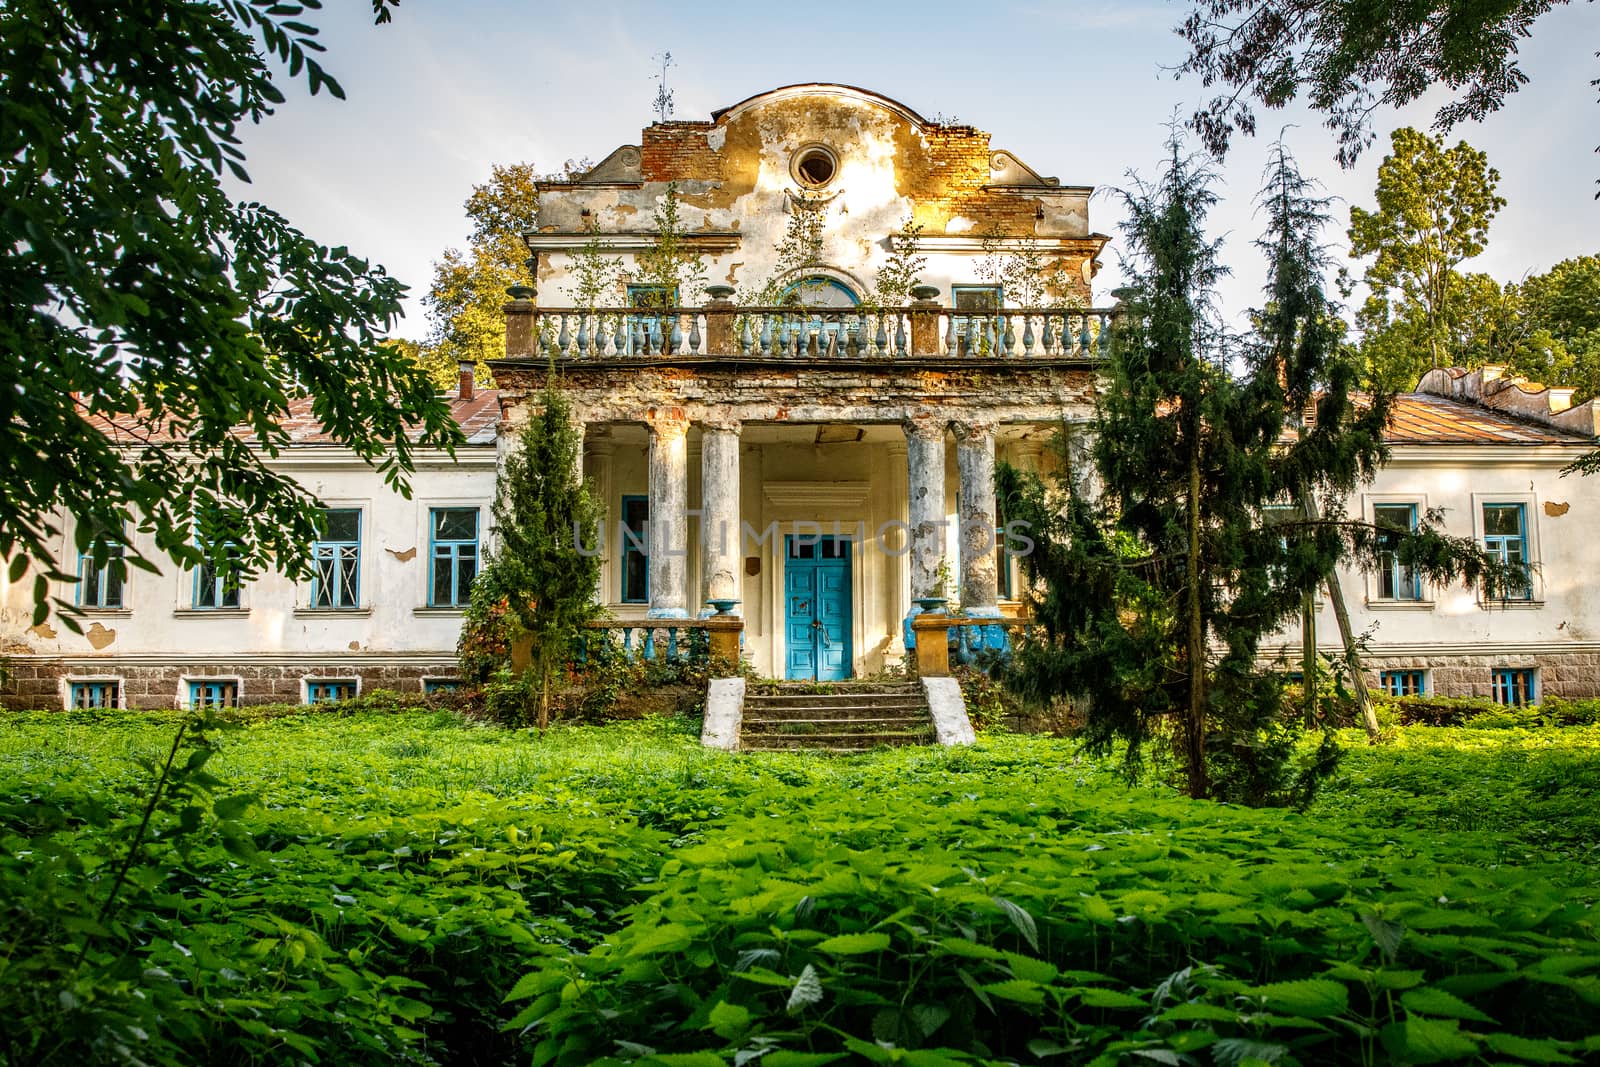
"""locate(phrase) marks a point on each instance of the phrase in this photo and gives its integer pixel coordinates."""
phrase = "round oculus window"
(814, 166)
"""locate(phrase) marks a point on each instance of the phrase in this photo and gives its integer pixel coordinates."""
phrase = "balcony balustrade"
(724, 330)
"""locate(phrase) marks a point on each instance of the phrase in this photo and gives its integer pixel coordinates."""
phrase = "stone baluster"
(675, 337)
(669, 517)
(1086, 340)
(694, 334)
(1027, 334)
(880, 340)
(1048, 341)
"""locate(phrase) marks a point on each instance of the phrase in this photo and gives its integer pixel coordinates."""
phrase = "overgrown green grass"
(639, 898)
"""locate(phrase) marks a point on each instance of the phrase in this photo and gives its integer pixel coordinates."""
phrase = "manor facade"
(784, 429)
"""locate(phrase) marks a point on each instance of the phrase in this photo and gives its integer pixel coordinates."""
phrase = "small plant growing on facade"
(670, 271)
(902, 270)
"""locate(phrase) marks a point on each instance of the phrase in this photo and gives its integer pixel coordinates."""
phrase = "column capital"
(721, 424)
(925, 426)
(667, 422)
(976, 430)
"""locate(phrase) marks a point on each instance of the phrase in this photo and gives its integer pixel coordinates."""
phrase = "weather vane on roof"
(663, 102)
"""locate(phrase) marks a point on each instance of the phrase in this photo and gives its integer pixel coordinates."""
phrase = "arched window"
(819, 291)
(822, 292)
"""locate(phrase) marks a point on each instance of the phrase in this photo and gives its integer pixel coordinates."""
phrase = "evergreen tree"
(543, 514)
(1155, 599)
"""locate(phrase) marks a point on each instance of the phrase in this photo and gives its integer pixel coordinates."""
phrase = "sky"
(1080, 91)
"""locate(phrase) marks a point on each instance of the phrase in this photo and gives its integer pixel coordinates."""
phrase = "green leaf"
(1534, 1050)
(960, 946)
(234, 806)
(1022, 920)
(854, 944)
(1096, 997)
(534, 983)
(728, 1021)
(1420, 1040)
(786, 1058)
(1015, 989)
(1312, 997)
(687, 1059)
(1430, 1001)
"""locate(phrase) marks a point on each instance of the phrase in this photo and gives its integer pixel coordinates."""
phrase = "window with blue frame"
(440, 685)
(330, 690)
(975, 331)
(1514, 686)
(336, 580)
(1405, 683)
(102, 693)
(635, 531)
(453, 556)
(646, 332)
(213, 693)
(1395, 580)
(216, 581)
(1505, 538)
(100, 585)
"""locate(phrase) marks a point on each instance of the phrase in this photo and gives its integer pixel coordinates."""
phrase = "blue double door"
(816, 614)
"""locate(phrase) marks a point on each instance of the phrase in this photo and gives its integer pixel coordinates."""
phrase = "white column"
(975, 510)
(669, 518)
(599, 483)
(719, 505)
(925, 510)
(894, 549)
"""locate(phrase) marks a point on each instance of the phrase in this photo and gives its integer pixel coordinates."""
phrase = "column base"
(666, 613)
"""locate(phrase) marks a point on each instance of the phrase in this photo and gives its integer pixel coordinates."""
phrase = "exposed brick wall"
(38, 684)
(676, 151)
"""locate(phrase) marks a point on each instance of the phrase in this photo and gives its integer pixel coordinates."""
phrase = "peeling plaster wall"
(734, 178)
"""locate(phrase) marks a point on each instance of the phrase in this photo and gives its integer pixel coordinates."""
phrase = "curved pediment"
(813, 89)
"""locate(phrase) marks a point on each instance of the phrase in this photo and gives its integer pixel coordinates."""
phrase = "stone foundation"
(43, 684)
(1570, 675)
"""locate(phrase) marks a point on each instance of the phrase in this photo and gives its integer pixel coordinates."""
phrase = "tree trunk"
(1195, 727)
(1352, 655)
(544, 696)
(1352, 658)
(1308, 658)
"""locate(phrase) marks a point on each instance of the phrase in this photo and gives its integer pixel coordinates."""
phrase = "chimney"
(464, 384)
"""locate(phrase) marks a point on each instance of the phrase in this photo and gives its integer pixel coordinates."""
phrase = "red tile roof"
(476, 417)
(1428, 419)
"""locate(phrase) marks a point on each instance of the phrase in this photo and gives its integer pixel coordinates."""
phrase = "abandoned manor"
(797, 440)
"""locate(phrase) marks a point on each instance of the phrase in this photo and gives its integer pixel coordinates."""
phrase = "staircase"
(834, 717)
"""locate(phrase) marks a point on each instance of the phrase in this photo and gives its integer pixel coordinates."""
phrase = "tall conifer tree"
(541, 516)
(1155, 598)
